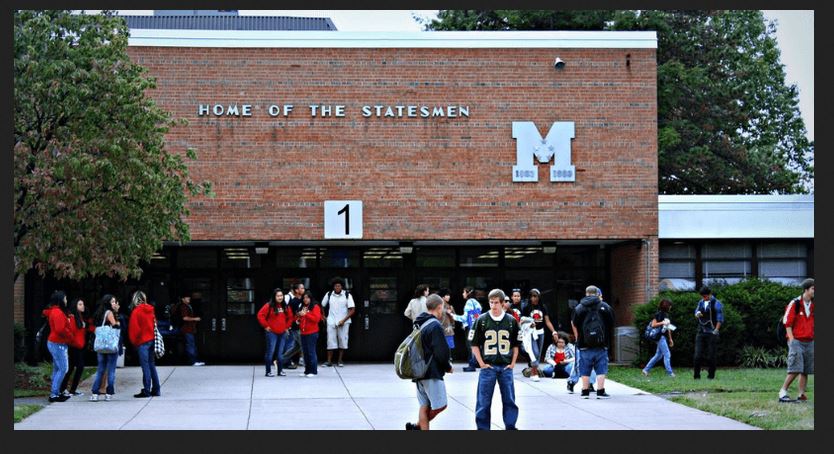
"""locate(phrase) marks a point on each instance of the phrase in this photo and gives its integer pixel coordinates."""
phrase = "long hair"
(665, 305)
(73, 309)
(418, 292)
(138, 298)
(57, 299)
(103, 306)
(309, 294)
(273, 304)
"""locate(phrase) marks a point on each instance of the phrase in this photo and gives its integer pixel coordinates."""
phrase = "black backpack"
(176, 315)
(593, 329)
(781, 331)
(41, 337)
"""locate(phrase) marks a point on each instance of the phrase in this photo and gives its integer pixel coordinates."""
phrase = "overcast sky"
(794, 33)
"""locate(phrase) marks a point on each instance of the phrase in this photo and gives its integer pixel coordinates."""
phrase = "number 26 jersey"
(495, 338)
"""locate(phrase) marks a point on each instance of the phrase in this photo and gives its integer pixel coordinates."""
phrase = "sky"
(794, 33)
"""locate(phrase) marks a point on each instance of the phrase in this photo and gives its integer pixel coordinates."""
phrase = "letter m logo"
(556, 145)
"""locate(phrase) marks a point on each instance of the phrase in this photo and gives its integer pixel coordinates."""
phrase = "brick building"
(427, 143)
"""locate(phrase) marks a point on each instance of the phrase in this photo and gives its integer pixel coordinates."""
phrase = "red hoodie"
(140, 327)
(279, 322)
(310, 322)
(79, 335)
(60, 331)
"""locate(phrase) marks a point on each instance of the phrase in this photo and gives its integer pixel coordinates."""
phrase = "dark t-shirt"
(188, 327)
(606, 314)
(660, 316)
(496, 339)
(537, 312)
(295, 304)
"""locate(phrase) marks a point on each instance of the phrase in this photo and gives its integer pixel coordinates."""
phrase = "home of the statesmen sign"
(329, 110)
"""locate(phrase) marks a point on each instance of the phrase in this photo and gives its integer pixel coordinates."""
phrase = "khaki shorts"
(431, 392)
(337, 336)
(801, 357)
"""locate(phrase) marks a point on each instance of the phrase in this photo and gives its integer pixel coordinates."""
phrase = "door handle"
(213, 325)
(367, 323)
(223, 324)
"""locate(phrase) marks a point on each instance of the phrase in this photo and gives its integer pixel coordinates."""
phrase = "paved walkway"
(358, 396)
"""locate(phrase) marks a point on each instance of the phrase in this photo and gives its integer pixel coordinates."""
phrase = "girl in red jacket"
(140, 331)
(308, 319)
(78, 324)
(275, 317)
(60, 335)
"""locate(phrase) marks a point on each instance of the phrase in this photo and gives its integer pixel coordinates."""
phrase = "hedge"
(751, 310)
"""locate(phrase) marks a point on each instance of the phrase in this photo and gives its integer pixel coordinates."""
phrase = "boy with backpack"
(799, 329)
(592, 323)
(431, 390)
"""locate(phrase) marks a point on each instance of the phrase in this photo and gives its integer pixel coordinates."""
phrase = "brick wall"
(629, 285)
(19, 300)
(441, 178)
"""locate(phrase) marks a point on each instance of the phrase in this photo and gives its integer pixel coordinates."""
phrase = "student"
(661, 318)
(592, 323)
(275, 317)
(141, 333)
(431, 389)
(292, 346)
(448, 319)
(308, 320)
(799, 324)
(79, 326)
(710, 315)
(189, 329)
(471, 312)
(537, 311)
(417, 305)
(105, 315)
(559, 358)
(495, 339)
(60, 336)
(340, 308)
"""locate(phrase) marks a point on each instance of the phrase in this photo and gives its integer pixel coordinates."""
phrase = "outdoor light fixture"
(549, 247)
(406, 248)
(261, 248)
(559, 63)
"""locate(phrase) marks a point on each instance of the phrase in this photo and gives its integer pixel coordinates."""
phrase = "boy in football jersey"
(495, 340)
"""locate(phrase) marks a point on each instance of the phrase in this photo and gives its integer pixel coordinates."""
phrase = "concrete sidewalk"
(357, 396)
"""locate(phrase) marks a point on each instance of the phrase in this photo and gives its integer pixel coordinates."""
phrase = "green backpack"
(409, 363)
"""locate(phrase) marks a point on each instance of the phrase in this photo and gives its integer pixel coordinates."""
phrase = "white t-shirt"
(339, 305)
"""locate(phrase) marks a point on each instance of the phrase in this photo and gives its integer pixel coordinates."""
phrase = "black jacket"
(606, 314)
(434, 347)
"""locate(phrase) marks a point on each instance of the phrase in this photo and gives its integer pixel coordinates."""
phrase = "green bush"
(763, 358)
(19, 342)
(751, 310)
(682, 316)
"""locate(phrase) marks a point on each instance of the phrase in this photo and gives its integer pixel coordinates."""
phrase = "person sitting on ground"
(559, 358)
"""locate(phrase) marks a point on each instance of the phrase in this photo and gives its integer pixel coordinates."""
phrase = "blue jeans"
(106, 363)
(60, 365)
(486, 387)
(274, 346)
(574, 373)
(537, 345)
(190, 347)
(563, 371)
(308, 347)
(661, 353)
(292, 341)
(150, 380)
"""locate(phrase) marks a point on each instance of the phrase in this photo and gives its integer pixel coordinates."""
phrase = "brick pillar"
(629, 271)
(19, 299)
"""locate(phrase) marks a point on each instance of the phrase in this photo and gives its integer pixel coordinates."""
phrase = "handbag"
(107, 338)
(158, 343)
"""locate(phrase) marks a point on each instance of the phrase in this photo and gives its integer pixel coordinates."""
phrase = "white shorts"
(337, 336)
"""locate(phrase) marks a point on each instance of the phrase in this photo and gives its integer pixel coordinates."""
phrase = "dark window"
(726, 262)
(382, 257)
(295, 257)
(677, 267)
(479, 257)
(527, 256)
(240, 296)
(784, 262)
(239, 257)
(435, 257)
(339, 258)
(197, 258)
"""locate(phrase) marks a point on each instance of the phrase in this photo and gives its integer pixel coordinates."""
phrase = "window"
(479, 257)
(339, 258)
(383, 298)
(527, 256)
(726, 262)
(382, 257)
(435, 257)
(677, 267)
(197, 258)
(296, 257)
(785, 263)
(239, 257)
(240, 296)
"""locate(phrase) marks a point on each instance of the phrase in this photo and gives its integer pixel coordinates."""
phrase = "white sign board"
(342, 219)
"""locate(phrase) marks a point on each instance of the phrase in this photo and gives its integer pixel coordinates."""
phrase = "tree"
(509, 19)
(95, 190)
(727, 123)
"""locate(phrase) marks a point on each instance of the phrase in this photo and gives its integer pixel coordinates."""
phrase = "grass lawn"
(22, 411)
(746, 395)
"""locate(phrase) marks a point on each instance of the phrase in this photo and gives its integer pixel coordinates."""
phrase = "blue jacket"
(714, 315)
(471, 312)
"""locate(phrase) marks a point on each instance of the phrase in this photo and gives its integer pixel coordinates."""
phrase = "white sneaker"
(94, 398)
(535, 377)
(66, 393)
(199, 363)
(108, 397)
(310, 375)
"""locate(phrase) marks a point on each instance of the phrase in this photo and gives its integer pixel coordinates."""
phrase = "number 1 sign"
(343, 219)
